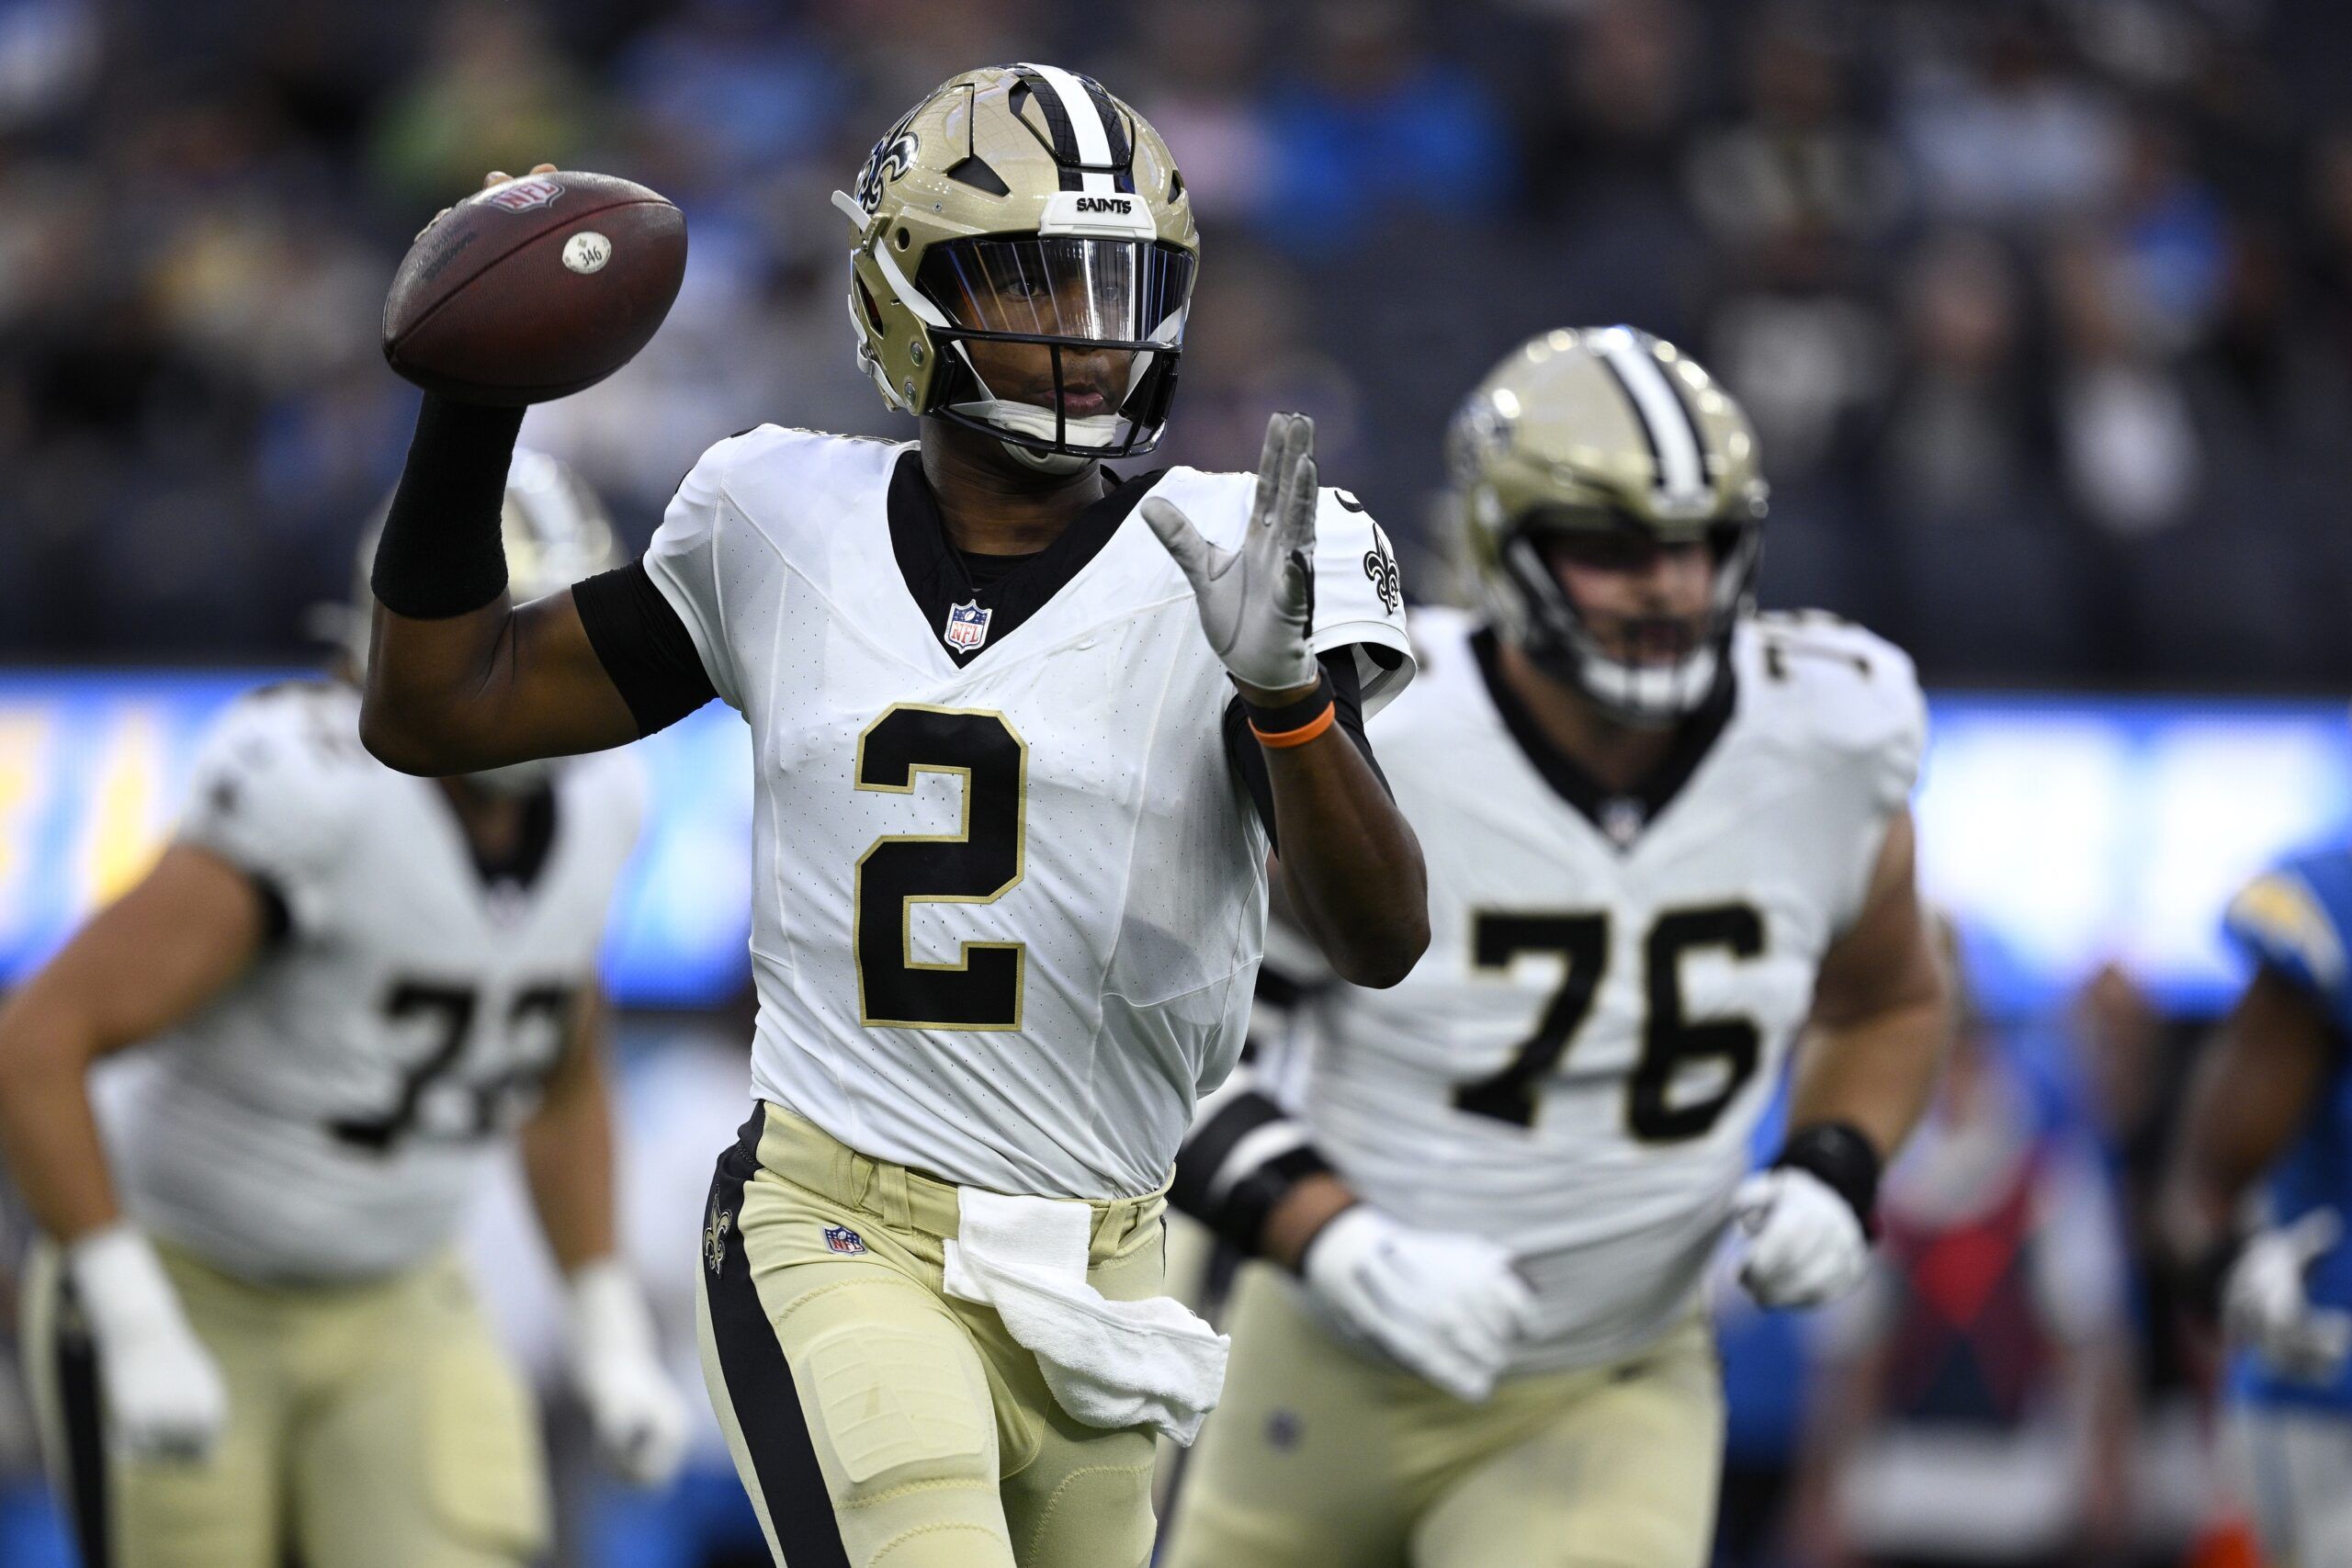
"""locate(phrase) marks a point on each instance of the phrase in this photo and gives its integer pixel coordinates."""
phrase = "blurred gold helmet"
(554, 526)
(1022, 204)
(1606, 431)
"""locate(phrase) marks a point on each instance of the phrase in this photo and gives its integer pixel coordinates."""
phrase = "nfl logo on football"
(967, 627)
(840, 1238)
(521, 195)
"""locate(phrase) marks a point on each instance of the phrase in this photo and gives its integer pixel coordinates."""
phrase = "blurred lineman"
(1011, 834)
(2270, 1109)
(360, 984)
(1665, 834)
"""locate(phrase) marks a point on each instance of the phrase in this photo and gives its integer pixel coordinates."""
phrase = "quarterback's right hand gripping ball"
(1256, 604)
(531, 289)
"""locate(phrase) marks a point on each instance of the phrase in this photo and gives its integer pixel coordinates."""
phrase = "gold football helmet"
(1024, 205)
(1606, 431)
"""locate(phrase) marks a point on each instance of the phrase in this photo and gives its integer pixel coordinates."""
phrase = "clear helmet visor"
(1064, 344)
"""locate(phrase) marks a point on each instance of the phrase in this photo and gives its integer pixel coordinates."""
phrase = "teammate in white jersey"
(247, 1334)
(1664, 835)
(1012, 825)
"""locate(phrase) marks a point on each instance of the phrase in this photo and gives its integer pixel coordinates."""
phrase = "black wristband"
(1845, 1162)
(1292, 714)
(441, 553)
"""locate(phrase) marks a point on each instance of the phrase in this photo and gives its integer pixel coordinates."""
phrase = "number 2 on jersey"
(978, 864)
(1669, 1040)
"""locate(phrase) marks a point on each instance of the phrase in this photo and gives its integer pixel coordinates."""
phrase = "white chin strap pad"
(1027, 419)
(1652, 695)
(1047, 462)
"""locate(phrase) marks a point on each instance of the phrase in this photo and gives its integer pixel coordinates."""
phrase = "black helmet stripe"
(1057, 126)
(1678, 448)
(1081, 129)
(1123, 153)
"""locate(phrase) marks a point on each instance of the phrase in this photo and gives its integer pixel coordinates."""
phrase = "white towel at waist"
(1147, 1363)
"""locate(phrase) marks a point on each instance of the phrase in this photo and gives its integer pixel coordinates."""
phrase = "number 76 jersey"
(1612, 982)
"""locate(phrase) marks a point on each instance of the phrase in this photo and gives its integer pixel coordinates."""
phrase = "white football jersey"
(1577, 1065)
(328, 1116)
(1009, 891)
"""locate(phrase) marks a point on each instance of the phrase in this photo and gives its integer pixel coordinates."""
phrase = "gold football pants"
(877, 1423)
(1319, 1457)
(370, 1426)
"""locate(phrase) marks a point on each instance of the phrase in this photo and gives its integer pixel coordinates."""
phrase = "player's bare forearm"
(46, 1123)
(568, 1148)
(504, 683)
(2252, 1093)
(1876, 1074)
(174, 941)
(1882, 1012)
(1350, 864)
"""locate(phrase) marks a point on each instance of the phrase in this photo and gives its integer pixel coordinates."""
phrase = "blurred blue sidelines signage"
(92, 767)
(2062, 832)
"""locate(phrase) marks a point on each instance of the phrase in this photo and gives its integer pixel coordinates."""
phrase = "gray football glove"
(1256, 604)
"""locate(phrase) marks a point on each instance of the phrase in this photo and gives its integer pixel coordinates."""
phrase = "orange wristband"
(1303, 734)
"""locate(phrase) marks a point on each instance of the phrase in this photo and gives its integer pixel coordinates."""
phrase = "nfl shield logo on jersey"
(840, 1238)
(967, 627)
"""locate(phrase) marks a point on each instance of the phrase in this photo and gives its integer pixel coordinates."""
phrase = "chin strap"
(1057, 463)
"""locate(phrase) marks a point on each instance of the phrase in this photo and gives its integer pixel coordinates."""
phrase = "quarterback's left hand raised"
(638, 1414)
(1806, 1243)
(1256, 604)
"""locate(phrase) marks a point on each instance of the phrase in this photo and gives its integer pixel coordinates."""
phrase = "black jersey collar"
(940, 583)
(1622, 815)
(533, 846)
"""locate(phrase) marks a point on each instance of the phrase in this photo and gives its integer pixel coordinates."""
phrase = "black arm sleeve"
(643, 645)
(440, 554)
(1347, 697)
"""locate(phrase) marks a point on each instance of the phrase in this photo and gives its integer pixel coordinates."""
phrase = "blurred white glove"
(1806, 1243)
(638, 1414)
(164, 1398)
(2264, 1304)
(1448, 1307)
(1256, 604)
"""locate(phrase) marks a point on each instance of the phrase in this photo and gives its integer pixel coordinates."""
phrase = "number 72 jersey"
(1612, 982)
(330, 1115)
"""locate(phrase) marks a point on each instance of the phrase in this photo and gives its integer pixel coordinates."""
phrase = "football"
(533, 289)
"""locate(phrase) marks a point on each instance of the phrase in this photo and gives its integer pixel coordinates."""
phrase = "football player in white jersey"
(246, 1333)
(1666, 836)
(1021, 758)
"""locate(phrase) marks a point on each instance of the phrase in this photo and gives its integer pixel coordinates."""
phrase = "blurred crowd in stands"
(2044, 310)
